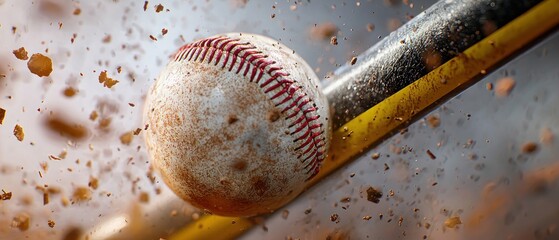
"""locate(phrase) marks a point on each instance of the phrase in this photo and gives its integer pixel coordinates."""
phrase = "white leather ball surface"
(237, 124)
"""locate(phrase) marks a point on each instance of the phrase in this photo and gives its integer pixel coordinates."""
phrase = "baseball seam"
(281, 90)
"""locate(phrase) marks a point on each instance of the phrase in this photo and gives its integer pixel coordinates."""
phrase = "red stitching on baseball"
(303, 115)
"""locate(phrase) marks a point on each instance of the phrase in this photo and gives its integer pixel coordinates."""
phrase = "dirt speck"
(46, 198)
(40, 65)
(20, 53)
(21, 221)
(370, 27)
(18, 132)
(546, 135)
(392, 3)
(93, 115)
(127, 137)
(146, 3)
(353, 61)
(334, 40)
(434, 121)
(240, 165)
(66, 129)
(137, 131)
(52, 8)
(452, 222)
(51, 223)
(73, 233)
(106, 81)
(2, 115)
(431, 155)
(504, 86)
(159, 8)
(81, 194)
(260, 186)
(489, 86)
(5, 195)
(106, 39)
(144, 197)
(239, 3)
(273, 115)
(70, 92)
(323, 31)
(232, 119)
(338, 234)
(433, 59)
(529, 147)
(93, 183)
(285, 214)
(373, 195)
(105, 123)
(334, 217)
(393, 24)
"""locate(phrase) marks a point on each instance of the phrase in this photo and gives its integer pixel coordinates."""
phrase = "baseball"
(237, 124)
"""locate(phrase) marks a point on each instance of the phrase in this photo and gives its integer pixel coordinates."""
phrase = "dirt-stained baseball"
(237, 124)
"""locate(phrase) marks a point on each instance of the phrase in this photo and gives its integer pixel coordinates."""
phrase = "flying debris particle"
(504, 86)
(353, 60)
(106, 81)
(489, 86)
(144, 197)
(5, 195)
(452, 222)
(323, 31)
(334, 217)
(373, 195)
(334, 40)
(146, 5)
(20, 53)
(285, 214)
(370, 27)
(159, 8)
(40, 65)
(529, 147)
(137, 131)
(106, 39)
(2, 115)
(81, 194)
(546, 135)
(18, 132)
(51, 223)
(67, 129)
(93, 183)
(431, 155)
(69, 92)
(21, 221)
(434, 121)
(127, 137)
